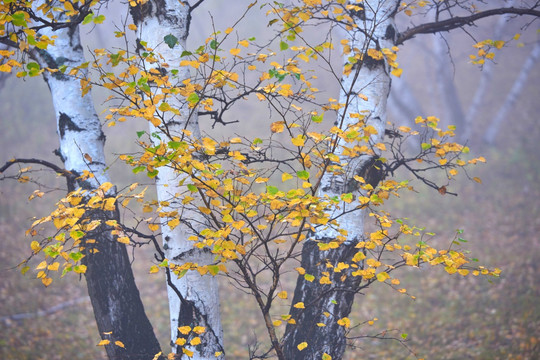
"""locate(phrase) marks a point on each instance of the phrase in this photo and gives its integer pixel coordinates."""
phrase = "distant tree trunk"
(329, 303)
(403, 103)
(114, 295)
(485, 79)
(453, 110)
(511, 98)
(193, 299)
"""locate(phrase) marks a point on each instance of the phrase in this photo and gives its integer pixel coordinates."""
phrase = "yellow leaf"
(302, 346)
(404, 129)
(180, 341)
(173, 223)
(54, 266)
(382, 276)
(42, 265)
(154, 269)
(282, 295)
(35, 246)
(326, 357)
(244, 43)
(299, 140)
(119, 343)
(68, 6)
(477, 179)
(199, 330)
(276, 323)
(46, 281)
(286, 176)
(189, 353)
(277, 126)
(132, 27)
(363, 97)
(195, 341)
(345, 322)
(299, 305)
(153, 227)
(104, 342)
(235, 51)
(184, 330)
(123, 240)
(229, 30)
(397, 72)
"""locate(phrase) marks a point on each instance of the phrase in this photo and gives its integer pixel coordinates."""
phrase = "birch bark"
(111, 286)
(193, 299)
(376, 30)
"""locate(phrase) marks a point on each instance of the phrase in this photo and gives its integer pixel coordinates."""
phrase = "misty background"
(452, 317)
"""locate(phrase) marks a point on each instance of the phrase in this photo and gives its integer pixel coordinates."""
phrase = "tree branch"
(69, 175)
(459, 21)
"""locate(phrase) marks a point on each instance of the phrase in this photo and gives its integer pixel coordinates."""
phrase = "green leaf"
(283, 45)
(193, 98)
(213, 269)
(76, 234)
(18, 19)
(75, 256)
(404, 336)
(88, 18)
(304, 175)
(272, 190)
(309, 277)
(170, 40)
(317, 118)
(138, 169)
(192, 188)
(140, 133)
(99, 19)
(25, 269)
(425, 146)
(174, 144)
(213, 44)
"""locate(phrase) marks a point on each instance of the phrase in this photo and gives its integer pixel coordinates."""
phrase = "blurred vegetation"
(451, 317)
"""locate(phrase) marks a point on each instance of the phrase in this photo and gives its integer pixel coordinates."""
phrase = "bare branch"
(459, 21)
(67, 174)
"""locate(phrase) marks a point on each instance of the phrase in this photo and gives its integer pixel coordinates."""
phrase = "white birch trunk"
(198, 303)
(115, 298)
(372, 79)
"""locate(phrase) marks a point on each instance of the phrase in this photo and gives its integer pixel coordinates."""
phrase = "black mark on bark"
(65, 123)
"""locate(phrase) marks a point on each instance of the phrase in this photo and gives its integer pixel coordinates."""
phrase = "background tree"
(337, 173)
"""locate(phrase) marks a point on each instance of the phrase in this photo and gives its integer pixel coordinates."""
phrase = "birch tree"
(252, 210)
(99, 255)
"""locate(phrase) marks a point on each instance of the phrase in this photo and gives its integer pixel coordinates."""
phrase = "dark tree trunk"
(324, 304)
(114, 295)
